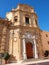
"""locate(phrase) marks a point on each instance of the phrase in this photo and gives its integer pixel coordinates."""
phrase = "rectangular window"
(46, 35)
(48, 42)
(27, 20)
(15, 18)
(36, 21)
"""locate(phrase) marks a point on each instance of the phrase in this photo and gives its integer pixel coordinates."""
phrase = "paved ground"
(45, 63)
(41, 62)
(0, 61)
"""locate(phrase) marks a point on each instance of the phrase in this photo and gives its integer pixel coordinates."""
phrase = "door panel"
(29, 50)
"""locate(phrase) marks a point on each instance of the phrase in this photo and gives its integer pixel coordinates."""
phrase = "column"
(35, 49)
(12, 41)
(24, 50)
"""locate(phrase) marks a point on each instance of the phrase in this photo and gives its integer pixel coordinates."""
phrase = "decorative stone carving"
(28, 35)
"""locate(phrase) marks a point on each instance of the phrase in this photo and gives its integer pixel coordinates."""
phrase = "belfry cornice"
(22, 27)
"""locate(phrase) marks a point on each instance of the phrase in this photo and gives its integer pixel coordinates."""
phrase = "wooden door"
(29, 50)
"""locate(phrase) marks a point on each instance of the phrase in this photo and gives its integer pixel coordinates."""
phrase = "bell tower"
(24, 33)
(24, 16)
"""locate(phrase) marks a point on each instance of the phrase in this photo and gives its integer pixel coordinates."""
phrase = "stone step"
(31, 60)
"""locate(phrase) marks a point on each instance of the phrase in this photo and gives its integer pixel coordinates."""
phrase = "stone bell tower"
(25, 41)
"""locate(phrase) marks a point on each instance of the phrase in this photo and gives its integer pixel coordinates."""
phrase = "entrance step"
(32, 60)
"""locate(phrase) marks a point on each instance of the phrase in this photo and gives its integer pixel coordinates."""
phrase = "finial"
(12, 8)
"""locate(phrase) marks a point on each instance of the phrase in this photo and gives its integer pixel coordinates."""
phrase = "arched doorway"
(29, 50)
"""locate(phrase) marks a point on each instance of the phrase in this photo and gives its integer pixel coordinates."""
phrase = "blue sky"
(41, 8)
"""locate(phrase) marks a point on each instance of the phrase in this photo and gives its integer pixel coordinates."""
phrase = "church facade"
(25, 39)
